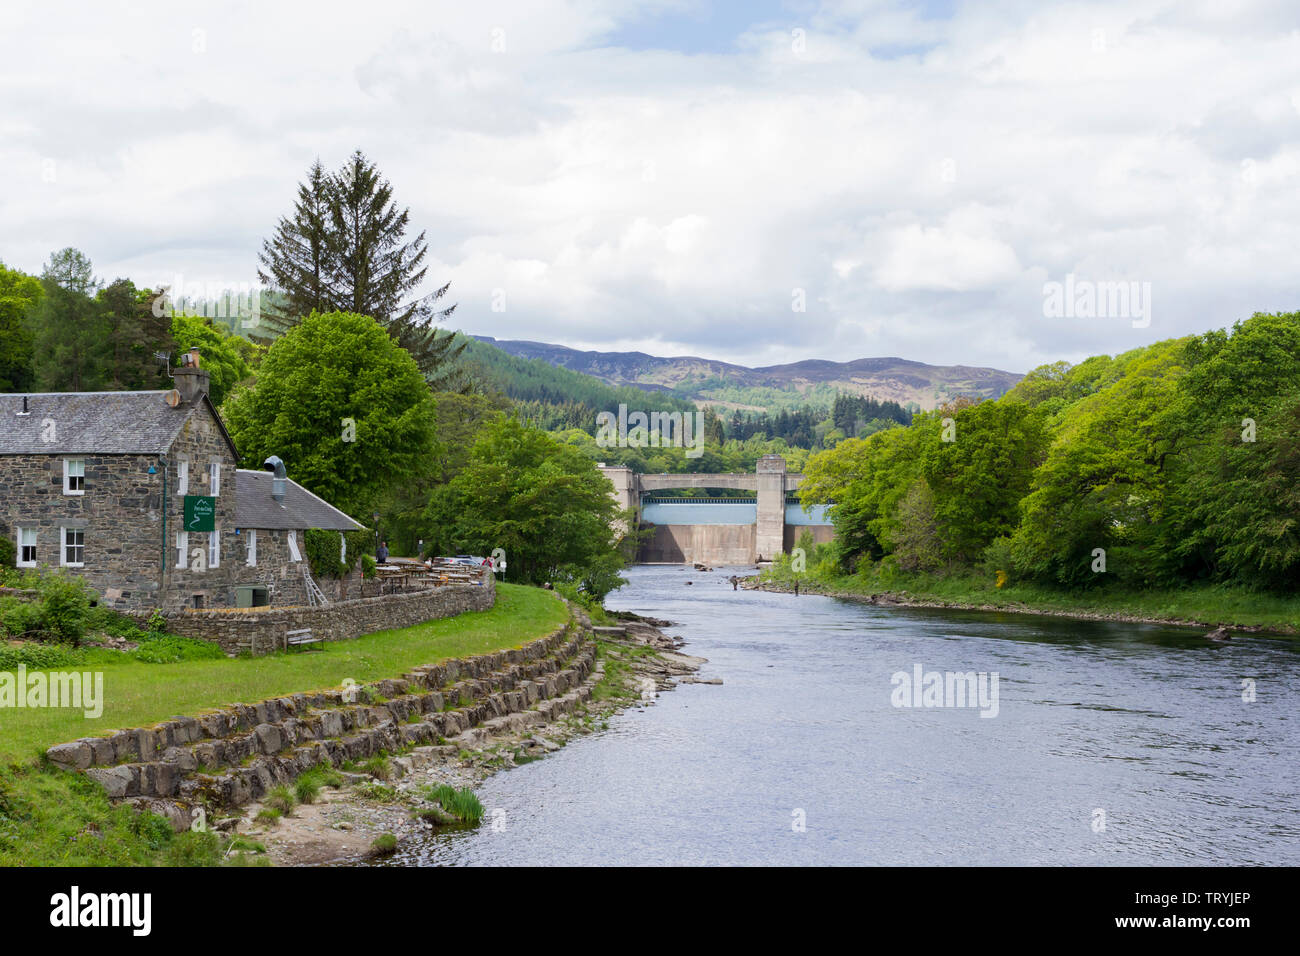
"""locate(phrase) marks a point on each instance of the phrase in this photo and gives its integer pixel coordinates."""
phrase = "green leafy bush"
(19, 617)
(107, 621)
(998, 557)
(38, 656)
(65, 605)
(7, 552)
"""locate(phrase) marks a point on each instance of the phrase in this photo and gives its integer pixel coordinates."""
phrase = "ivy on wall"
(324, 551)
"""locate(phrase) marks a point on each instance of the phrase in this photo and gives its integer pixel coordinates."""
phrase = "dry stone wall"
(340, 621)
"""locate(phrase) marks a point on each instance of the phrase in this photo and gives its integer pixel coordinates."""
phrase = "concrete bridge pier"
(769, 528)
(627, 491)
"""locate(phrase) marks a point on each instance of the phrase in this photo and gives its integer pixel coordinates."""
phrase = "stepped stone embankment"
(231, 756)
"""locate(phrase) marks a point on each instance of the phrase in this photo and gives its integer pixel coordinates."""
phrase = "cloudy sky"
(679, 176)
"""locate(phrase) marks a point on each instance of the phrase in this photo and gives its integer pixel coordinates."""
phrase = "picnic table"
(401, 573)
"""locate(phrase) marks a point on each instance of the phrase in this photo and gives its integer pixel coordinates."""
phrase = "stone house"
(140, 493)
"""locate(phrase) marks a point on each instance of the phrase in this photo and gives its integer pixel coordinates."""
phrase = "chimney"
(280, 477)
(191, 381)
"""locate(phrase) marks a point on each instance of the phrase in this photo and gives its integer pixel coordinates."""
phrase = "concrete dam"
(719, 530)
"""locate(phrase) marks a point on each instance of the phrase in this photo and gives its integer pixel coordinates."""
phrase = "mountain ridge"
(814, 381)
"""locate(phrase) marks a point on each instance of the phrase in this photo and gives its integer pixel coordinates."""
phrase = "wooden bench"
(302, 638)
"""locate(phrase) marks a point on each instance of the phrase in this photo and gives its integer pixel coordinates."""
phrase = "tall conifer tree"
(344, 249)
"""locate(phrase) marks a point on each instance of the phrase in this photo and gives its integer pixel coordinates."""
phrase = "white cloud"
(944, 257)
(918, 177)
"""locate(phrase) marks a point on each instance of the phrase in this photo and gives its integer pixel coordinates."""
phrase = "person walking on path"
(381, 553)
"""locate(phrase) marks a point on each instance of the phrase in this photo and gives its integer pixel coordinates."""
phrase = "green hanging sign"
(200, 513)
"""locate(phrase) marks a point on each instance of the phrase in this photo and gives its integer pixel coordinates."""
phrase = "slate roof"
(255, 508)
(93, 423)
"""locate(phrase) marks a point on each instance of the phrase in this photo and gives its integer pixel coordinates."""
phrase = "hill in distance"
(773, 387)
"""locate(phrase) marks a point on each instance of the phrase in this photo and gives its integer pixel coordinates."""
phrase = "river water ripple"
(1145, 724)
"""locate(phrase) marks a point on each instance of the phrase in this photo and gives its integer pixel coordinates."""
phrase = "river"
(1113, 743)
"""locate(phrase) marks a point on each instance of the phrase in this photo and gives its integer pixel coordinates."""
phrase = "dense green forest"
(1167, 465)
(554, 398)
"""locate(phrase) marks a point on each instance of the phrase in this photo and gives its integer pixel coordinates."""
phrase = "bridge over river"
(719, 530)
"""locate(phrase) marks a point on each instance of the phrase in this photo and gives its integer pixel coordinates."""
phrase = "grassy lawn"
(1209, 605)
(52, 817)
(139, 694)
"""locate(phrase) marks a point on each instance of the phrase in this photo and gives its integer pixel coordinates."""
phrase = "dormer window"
(74, 476)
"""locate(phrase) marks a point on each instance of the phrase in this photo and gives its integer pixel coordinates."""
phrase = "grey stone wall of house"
(119, 515)
(276, 570)
(333, 622)
(200, 443)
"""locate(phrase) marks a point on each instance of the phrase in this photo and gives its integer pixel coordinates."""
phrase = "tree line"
(362, 394)
(1170, 464)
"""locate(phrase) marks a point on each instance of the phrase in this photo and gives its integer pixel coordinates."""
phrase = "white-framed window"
(73, 552)
(214, 548)
(294, 553)
(26, 547)
(343, 548)
(74, 476)
(252, 547)
(182, 550)
(214, 478)
(182, 477)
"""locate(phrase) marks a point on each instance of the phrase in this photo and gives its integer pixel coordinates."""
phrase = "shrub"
(65, 604)
(368, 565)
(998, 557)
(7, 552)
(106, 620)
(19, 618)
(38, 656)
